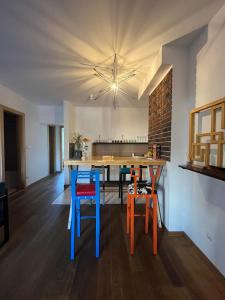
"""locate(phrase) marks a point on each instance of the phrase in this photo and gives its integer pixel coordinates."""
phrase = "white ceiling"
(43, 42)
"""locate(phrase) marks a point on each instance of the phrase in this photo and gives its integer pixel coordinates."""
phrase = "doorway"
(61, 148)
(52, 147)
(13, 156)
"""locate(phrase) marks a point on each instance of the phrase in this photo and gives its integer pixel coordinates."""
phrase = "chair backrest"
(135, 174)
(84, 168)
(77, 176)
(155, 173)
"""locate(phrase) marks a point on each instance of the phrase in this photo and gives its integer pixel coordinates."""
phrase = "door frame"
(21, 144)
(61, 159)
(49, 150)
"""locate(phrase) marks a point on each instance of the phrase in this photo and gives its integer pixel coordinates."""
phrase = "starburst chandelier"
(113, 73)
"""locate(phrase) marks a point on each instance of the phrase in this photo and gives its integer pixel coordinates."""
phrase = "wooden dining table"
(115, 161)
(155, 165)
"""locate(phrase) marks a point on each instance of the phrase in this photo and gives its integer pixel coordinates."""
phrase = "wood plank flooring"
(35, 263)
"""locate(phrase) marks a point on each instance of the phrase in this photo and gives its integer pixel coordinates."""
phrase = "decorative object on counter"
(109, 141)
(114, 71)
(154, 151)
(150, 152)
(207, 148)
(142, 139)
(85, 148)
(158, 151)
(80, 145)
(154, 147)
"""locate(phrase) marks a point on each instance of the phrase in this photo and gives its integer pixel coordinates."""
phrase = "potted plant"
(80, 144)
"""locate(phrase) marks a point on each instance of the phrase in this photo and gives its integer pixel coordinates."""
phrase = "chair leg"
(108, 173)
(78, 216)
(120, 182)
(132, 227)
(72, 233)
(128, 213)
(146, 215)
(155, 203)
(121, 192)
(103, 179)
(140, 173)
(97, 241)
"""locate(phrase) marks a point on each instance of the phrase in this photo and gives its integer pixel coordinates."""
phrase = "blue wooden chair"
(84, 191)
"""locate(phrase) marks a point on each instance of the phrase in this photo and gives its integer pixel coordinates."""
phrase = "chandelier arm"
(114, 100)
(103, 67)
(115, 69)
(126, 78)
(102, 93)
(128, 73)
(96, 66)
(125, 93)
(104, 61)
(102, 76)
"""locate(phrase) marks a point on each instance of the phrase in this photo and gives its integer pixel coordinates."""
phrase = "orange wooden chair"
(149, 193)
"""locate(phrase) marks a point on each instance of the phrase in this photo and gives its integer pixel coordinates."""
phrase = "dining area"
(112, 150)
(86, 184)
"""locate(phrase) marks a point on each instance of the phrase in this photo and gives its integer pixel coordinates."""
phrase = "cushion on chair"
(125, 170)
(85, 189)
(142, 189)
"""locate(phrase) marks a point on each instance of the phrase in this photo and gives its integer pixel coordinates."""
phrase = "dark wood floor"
(35, 263)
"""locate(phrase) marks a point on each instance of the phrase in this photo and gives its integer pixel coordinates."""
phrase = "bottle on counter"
(154, 148)
(150, 152)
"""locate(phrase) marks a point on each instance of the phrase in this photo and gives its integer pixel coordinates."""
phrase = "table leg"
(103, 184)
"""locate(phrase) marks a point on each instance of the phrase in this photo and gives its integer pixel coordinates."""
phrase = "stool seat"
(85, 189)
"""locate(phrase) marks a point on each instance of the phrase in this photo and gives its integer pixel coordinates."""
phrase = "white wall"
(36, 137)
(104, 121)
(111, 123)
(51, 114)
(175, 192)
(206, 222)
(69, 128)
(195, 203)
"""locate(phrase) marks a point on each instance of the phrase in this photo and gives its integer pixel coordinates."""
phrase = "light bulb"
(114, 87)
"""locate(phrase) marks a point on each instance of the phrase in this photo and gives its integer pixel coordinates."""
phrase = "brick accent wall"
(160, 116)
